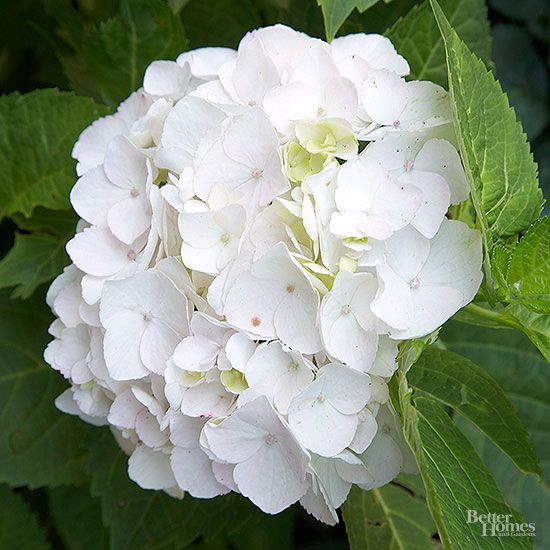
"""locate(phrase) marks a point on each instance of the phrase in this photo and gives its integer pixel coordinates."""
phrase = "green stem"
(491, 315)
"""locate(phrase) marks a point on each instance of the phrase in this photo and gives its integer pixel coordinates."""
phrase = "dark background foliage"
(40, 47)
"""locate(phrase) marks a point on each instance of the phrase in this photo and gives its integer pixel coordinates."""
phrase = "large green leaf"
(19, 527)
(523, 73)
(495, 152)
(138, 519)
(461, 384)
(33, 260)
(524, 375)
(416, 36)
(116, 54)
(528, 273)
(455, 478)
(60, 223)
(535, 325)
(335, 12)
(38, 257)
(219, 22)
(37, 133)
(38, 444)
(77, 518)
(387, 518)
(301, 15)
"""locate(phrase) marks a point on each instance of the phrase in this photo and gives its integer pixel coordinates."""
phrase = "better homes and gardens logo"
(500, 525)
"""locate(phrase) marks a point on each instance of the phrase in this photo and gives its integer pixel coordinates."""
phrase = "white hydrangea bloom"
(260, 229)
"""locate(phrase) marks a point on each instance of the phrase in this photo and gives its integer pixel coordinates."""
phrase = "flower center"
(134, 192)
(414, 283)
(225, 238)
(257, 173)
(131, 254)
(321, 398)
(147, 316)
(345, 309)
(270, 439)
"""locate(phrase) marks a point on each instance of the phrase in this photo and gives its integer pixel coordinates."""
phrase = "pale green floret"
(233, 380)
(328, 136)
(191, 378)
(348, 264)
(162, 177)
(356, 240)
(300, 163)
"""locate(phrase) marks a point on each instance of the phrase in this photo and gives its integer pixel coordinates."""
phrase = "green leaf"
(335, 12)
(459, 383)
(416, 36)
(387, 518)
(77, 518)
(33, 260)
(411, 350)
(219, 22)
(379, 18)
(137, 518)
(455, 478)
(529, 268)
(523, 374)
(495, 152)
(116, 54)
(38, 444)
(524, 75)
(37, 133)
(535, 325)
(177, 5)
(61, 223)
(19, 527)
(266, 532)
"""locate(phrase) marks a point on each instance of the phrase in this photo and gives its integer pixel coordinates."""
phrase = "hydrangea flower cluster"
(259, 230)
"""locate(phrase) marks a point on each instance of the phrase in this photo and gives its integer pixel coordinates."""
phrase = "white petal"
(121, 345)
(148, 430)
(125, 165)
(209, 399)
(185, 430)
(193, 472)
(196, 353)
(435, 201)
(92, 143)
(440, 157)
(384, 97)
(366, 430)
(393, 304)
(238, 349)
(157, 345)
(129, 218)
(124, 410)
(377, 50)
(271, 465)
(166, 78)
(150, 469)
(97, 252)
(93, 195)
(320, 427)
